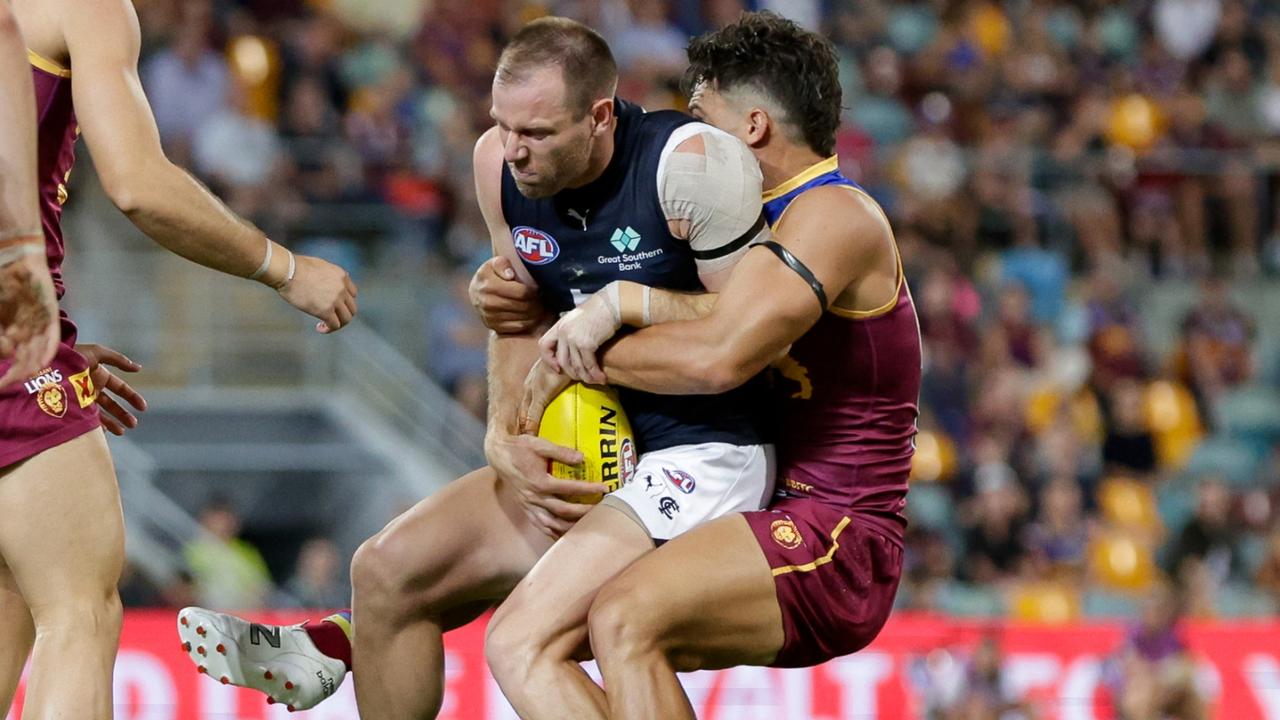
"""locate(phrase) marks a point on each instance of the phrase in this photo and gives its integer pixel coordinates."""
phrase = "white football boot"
(277, 660)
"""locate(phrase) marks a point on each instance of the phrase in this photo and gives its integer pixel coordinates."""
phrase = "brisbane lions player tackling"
(61, 529)
(813, 576)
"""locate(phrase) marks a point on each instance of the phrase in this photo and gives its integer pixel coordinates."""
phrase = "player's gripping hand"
(522, 463)
(541, 386)
(324, 290)
(29, 329)
(506, 305)
(115, 417)
(570, 346)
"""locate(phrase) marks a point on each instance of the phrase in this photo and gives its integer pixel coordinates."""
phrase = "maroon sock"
(331, 637)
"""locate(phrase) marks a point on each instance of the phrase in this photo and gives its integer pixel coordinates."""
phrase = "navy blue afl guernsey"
(581, 239)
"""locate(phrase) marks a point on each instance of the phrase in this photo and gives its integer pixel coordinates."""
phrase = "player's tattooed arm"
(29, 329)
(28, 306)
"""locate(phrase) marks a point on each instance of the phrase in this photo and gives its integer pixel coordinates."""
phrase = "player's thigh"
(16, 634)
(62, 535)
(467, 543)
(550, 604)
(706, 598)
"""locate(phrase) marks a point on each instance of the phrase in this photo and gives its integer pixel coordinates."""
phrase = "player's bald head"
(583, 57)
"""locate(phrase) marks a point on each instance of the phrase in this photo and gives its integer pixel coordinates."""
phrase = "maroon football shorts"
(836, 575)
(55, 405)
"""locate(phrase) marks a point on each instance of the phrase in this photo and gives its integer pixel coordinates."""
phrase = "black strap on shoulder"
(805, 274)
(734, 246)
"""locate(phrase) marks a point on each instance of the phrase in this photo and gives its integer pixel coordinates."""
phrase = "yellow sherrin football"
(589, 419)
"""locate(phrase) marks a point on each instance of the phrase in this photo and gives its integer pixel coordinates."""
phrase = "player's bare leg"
(63, 539)
(538, 635)
(17, 633)
(652, 620)
(462, 548)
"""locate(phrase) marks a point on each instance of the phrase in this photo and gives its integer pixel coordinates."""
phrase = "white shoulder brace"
(714, 194)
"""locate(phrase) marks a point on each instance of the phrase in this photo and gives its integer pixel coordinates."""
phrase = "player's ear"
(601, 116)
(759, 125)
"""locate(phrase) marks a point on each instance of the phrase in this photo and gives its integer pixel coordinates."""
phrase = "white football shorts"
(681, 487)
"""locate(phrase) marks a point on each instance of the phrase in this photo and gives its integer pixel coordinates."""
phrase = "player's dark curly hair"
(775, 56)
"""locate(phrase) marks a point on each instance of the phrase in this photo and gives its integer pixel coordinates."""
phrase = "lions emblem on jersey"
(53, 400)
(534, 246)
(786, 534)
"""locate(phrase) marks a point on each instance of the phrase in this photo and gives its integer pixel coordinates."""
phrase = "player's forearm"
(678, 358)
(19, 210)
(180, 214)
(670, 306)
(510, 358)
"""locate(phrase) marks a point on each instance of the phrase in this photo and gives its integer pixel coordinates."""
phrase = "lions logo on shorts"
(53, 400)
(786, 534)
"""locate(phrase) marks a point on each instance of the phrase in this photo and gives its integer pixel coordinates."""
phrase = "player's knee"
(509, 652)
(385, 584)
(98, 616)
(376, 576)
(620, 619)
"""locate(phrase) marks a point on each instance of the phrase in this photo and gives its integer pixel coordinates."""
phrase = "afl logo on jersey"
(535, 247)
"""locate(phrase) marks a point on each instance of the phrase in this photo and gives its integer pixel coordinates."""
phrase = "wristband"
(18, 248)
(266, 262)
(633, 304)
(612, 294)
(293, 268)
(17, 252)
(21, 237)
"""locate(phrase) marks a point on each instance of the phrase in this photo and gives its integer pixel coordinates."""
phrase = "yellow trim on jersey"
(884, 309)
(46, 64)
(835, 545)
(821, 168)
(902, 277)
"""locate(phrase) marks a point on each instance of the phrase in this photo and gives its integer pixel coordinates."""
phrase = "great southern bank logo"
(535, 246)
(625, 240)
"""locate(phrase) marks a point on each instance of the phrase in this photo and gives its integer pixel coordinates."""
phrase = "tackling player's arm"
(507, 306)
(103, 39)
(709, 188)
(842, 239)
(520, 460)
(28, 306)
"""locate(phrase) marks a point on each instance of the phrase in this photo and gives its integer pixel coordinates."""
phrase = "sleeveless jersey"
(613, 228)
(58, 403)
(55, 146)
(849, 393)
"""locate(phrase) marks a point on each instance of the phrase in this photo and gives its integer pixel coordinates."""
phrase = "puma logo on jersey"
(579, 216)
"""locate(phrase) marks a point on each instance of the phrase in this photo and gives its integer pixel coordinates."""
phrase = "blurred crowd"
(1044, 162)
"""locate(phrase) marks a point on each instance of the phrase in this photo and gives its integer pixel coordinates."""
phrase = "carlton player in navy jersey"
(813, 576)
(580, 191)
